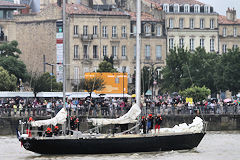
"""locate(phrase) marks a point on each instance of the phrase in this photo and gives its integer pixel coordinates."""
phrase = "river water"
(214, 146)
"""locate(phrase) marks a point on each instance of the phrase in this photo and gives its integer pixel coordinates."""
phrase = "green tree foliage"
(7, 82)
(42, 83)
(174, 70)
(228, 71)
(14, 66)
(10, 49)
(197, 93)
(106, 67)
(201, 69)
(91, 84)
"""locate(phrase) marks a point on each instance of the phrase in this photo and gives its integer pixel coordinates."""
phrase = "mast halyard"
(138, 54)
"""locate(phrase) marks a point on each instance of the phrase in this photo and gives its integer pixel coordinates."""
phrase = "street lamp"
(51, 73)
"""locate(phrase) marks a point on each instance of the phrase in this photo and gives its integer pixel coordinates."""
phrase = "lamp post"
(51, 73)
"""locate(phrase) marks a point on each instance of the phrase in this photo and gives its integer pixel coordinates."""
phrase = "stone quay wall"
(8, 125)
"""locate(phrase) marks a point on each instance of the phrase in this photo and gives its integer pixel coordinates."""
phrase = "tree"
(42, 83)
(200, 70)
(197, 93)
(10, 49)
(228, 71)
(7, 82)
(14, 66)
(172, 73)
(91, 84)
(106, 67)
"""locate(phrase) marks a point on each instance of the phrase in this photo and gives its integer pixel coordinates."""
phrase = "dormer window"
(176, 8)
(165, 7)
(196, 8)
(147, 30)
(206, 9)
(186, 8)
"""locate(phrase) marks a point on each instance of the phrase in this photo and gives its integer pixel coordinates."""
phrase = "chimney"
(231, 14)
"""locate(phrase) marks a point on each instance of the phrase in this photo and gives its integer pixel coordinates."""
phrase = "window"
(235, 32)
(211, 23)
(170, 22)
(191, 23)
(196, 8)
(212, 45)
(159, 52)
(85, 51)
(186, 8)
(224, 32)
(114, 31)
(76, 74)
(165, 7)
(124, 35)
(85, 30)
(114, 52)
(158, 31)
(191, 44)
(75, 30)
(95, 30)
(224, 48)
(181, 21)
(171, 45)
(206, 9)
(135, 51)
(76, 55)
(124, 51)
(147, 52)
(201, 23)
(134, 30)
(181, 42)
(202, 43)
(147, 30)
(104, 51)
(235, 46)
(95, 54)
(104, 31)
(175, 8)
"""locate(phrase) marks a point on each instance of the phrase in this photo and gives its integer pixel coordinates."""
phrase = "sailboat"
(180, 137)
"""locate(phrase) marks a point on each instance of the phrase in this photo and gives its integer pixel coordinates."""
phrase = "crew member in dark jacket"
(158, 121)
(143, 124)
(149, 123)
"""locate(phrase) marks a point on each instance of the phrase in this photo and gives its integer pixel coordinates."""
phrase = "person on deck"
(29, 127)
(143, 124)
(149, 123)
(158, 121)
(48, 132)
(56, 131)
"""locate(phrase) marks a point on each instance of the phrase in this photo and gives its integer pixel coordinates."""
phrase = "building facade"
(229, 31)
(95, 34)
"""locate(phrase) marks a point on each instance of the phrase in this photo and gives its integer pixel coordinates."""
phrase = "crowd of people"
(110, 107)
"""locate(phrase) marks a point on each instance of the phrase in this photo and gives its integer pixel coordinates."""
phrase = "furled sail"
(60, 118)
(129, 117)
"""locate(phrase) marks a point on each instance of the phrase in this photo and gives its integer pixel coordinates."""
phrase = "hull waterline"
(112, 145)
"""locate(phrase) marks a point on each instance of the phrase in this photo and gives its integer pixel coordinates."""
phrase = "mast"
(64, 54)
(138, 55)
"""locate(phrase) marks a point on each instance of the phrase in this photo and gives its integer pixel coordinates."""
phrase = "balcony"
(86, 37)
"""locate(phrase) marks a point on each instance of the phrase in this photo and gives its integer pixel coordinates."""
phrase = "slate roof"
(180, 2)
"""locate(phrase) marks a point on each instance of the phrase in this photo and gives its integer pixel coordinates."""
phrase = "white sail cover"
(60, 118)
(129, 117)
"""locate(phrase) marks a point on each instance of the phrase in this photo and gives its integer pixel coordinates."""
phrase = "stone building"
(189, 24)
(7, 22)
(36, 35)
(229, 31)
(94, 34)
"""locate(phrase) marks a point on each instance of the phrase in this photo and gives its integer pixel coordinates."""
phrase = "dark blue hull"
(113, 145)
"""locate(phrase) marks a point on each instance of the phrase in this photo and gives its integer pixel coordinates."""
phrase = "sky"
(221, 6)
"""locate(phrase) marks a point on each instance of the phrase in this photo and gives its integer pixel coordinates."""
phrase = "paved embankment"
(8, 125)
